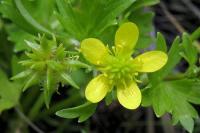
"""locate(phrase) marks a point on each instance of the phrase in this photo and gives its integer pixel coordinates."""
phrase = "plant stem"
(27, 120)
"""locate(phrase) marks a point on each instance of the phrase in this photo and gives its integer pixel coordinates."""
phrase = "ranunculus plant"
(68, 57)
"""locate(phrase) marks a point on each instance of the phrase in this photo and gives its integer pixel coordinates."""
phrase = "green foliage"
(49, 62)
(9, 92)
(84, 21)
(18, 36)
(173, 59)
(174, 96)
(161, 43)
(142, 3)
(189, 51)
(83, 112)
(27, 20)
(144, 21)
(17, 12)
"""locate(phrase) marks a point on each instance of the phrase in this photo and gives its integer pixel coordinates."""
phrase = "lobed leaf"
(175, 97)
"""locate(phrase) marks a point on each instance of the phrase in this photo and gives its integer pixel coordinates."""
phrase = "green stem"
(27, 120)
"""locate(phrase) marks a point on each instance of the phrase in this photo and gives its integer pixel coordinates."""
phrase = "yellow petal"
(129, 97)
(97, 89)
(151, 61)
(94, 51)
(126, 38)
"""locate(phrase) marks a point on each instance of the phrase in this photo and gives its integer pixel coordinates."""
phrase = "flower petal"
(151, 61)
(94, 51)
(97, 89)
(126, 38)
(129, 97)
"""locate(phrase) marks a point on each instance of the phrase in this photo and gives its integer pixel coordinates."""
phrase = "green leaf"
(69, 80)
(175, 97)
(78, 64)
(25, 14)
(22, 75)
(83, 112)
(173, 59)
(30, 15)
(81, 77)
(195, 35)
(33, 46)
(21, 29)
(188, 123)
(9, 92)
(32, 80)
(161, 43)
(84, 22)
(144, 21)
(18, 36)
(190, 52)
(8, 9)
(142, 3)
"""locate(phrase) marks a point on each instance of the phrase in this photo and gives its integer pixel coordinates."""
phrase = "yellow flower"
(118, 68)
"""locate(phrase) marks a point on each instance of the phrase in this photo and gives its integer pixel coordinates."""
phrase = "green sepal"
(60, 52)
(69, 80)
(54, 65)
(110, 97)
(82, 112)
(31, 81)
(76, 63)
(21, 75)
(49, 87)
(39, 66)
(32, 45)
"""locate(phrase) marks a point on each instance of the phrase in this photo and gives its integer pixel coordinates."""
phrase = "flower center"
(119, 71)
